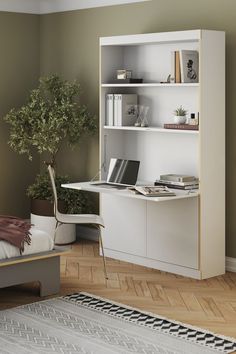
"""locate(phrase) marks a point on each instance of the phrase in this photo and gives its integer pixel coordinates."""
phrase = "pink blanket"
(15, 231)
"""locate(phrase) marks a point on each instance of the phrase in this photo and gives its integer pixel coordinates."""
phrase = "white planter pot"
(66, 233)
(180, 119)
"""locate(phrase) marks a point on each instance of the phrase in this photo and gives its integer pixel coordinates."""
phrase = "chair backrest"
(52, 179)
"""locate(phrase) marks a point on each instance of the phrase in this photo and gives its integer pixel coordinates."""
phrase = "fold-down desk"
(157, 232)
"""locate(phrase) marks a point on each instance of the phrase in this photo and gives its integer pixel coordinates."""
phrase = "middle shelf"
(152, 129)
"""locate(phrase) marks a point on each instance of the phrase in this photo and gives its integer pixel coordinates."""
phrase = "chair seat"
(80, 219)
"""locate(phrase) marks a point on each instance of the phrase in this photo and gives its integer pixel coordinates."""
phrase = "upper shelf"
(152, 129)
(151, 84)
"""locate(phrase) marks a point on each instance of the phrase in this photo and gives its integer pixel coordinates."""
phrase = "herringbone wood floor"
(209, 304)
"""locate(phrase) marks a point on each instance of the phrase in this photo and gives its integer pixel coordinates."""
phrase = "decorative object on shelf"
(123, 74)
(144, 122)
(141, 114)
(138, 109)
(168, 80)
(180, 115)
(193, 120)
(189, 65)
(181, 126)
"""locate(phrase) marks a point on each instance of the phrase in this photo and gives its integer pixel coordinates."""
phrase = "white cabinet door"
(125, 224)
(172, 232)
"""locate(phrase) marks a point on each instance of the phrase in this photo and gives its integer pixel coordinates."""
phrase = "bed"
(39, 262)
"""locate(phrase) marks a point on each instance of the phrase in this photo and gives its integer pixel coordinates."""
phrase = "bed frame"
(42, 267)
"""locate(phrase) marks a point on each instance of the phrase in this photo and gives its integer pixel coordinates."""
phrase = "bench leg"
(46, 271)
(50, 278)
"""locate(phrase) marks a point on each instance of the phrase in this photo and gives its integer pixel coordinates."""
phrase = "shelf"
(152, 129)
(152, 84)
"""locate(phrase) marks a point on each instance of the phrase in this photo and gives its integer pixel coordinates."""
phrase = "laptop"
(121, 174)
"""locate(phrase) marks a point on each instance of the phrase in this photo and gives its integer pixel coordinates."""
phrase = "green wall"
(19, 70)
(69, 46)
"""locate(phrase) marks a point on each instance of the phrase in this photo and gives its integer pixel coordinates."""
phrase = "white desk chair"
(75, 218)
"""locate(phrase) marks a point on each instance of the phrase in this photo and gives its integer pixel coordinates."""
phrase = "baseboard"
(231, 264)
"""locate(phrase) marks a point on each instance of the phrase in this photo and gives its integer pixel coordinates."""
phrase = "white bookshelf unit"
(183, 234)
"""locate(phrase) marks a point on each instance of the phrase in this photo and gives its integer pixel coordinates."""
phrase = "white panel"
(125, 224)
(172, 232)
(212, 150)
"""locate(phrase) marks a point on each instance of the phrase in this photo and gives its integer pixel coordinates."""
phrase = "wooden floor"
(209, 304)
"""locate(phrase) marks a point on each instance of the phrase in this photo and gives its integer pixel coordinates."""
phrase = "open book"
(153, 191)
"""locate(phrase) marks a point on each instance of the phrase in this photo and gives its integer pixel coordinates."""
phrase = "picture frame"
(189, 66)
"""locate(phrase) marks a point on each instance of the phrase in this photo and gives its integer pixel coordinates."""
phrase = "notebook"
(121, 173)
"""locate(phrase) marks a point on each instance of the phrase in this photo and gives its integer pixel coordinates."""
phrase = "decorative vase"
(180, 119)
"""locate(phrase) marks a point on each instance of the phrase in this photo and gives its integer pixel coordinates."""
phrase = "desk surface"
(90, 187)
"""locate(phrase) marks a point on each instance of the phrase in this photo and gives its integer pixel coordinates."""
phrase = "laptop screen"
(123, 171)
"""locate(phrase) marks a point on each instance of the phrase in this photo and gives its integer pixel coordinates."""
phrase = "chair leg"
(58, 224)
(104, 259)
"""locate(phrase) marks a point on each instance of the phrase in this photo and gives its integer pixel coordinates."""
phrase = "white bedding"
(40, 242)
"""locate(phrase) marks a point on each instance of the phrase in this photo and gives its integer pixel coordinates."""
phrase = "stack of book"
(176, 181)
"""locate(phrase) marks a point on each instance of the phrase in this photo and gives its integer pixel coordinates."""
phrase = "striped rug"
(84, 323)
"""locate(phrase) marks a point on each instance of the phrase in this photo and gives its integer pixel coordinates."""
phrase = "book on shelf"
(189, 66)
(109, 109)
(180, 126)
(176, 185)
(152, 191)
(175, 67)
(173, 177)
(124, 109)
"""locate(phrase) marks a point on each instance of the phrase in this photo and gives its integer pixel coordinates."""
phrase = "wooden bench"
(42, 267)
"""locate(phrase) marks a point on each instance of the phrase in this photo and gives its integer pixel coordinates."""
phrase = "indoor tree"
(51, 115)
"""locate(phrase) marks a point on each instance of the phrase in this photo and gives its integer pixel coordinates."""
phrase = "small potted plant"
(180, 115)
